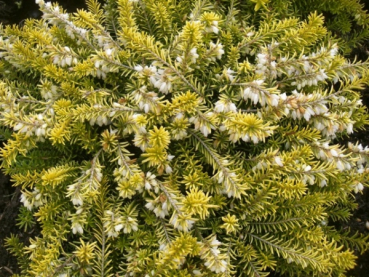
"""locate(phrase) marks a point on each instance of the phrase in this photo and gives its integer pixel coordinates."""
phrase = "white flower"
(217, 266)
(138, 68)
(79, 210)
(160, 212)
(262, 58)
(118, 227)
(148, 185)
(150, 181)
(274, 100)
(229, 75)
(214, 242)
(213, 27)
(358, 188)
(150, 206)
(323, 183)
(77, 199)
(168, 169)
(25, 202)
(163, 86)
(77, 228)
(100, 120)
(205, 130)
(219, 106)
(340, 165)
(194, 55)
(217, 50)
(225, 105)
(334, 50)
(254, 139)
(18, 126)
(278, 161)
(334, 153)
(350, 128)
(40, 132)
(108, 52)
(162, 247)
(161, 80)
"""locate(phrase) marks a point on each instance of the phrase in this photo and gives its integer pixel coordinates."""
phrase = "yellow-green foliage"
(182, 138)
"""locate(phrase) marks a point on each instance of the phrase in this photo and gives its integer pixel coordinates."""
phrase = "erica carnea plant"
(181, 138)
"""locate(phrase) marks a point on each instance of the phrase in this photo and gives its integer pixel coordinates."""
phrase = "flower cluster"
(101, 119)
(332, 154)
(306, 72)
(113, 222)
(179, 127)
(263, 164)
(265, 67)
(159, 78)
(102, 68)
(146, 101)
(116, 220)
(65, 57)
(150, 182)
(228, 179)
(75, 32)
(193, 56)
(225, 105)
(32, 199)
(229, 74)
(35, 125)
(310, 79)
(257, 93)
(105, 42)
(159, 205)
(360, 151)
(214, 260)
(301, 105)
(52, 13)
(49, 91)
(78, 220)
(212, 28)
(331, 123)
(215, 51)
(204, 123)
(358, 187)
(86, 185)
(55, 17)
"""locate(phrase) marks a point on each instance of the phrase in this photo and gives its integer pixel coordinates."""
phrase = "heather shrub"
(164, 138)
